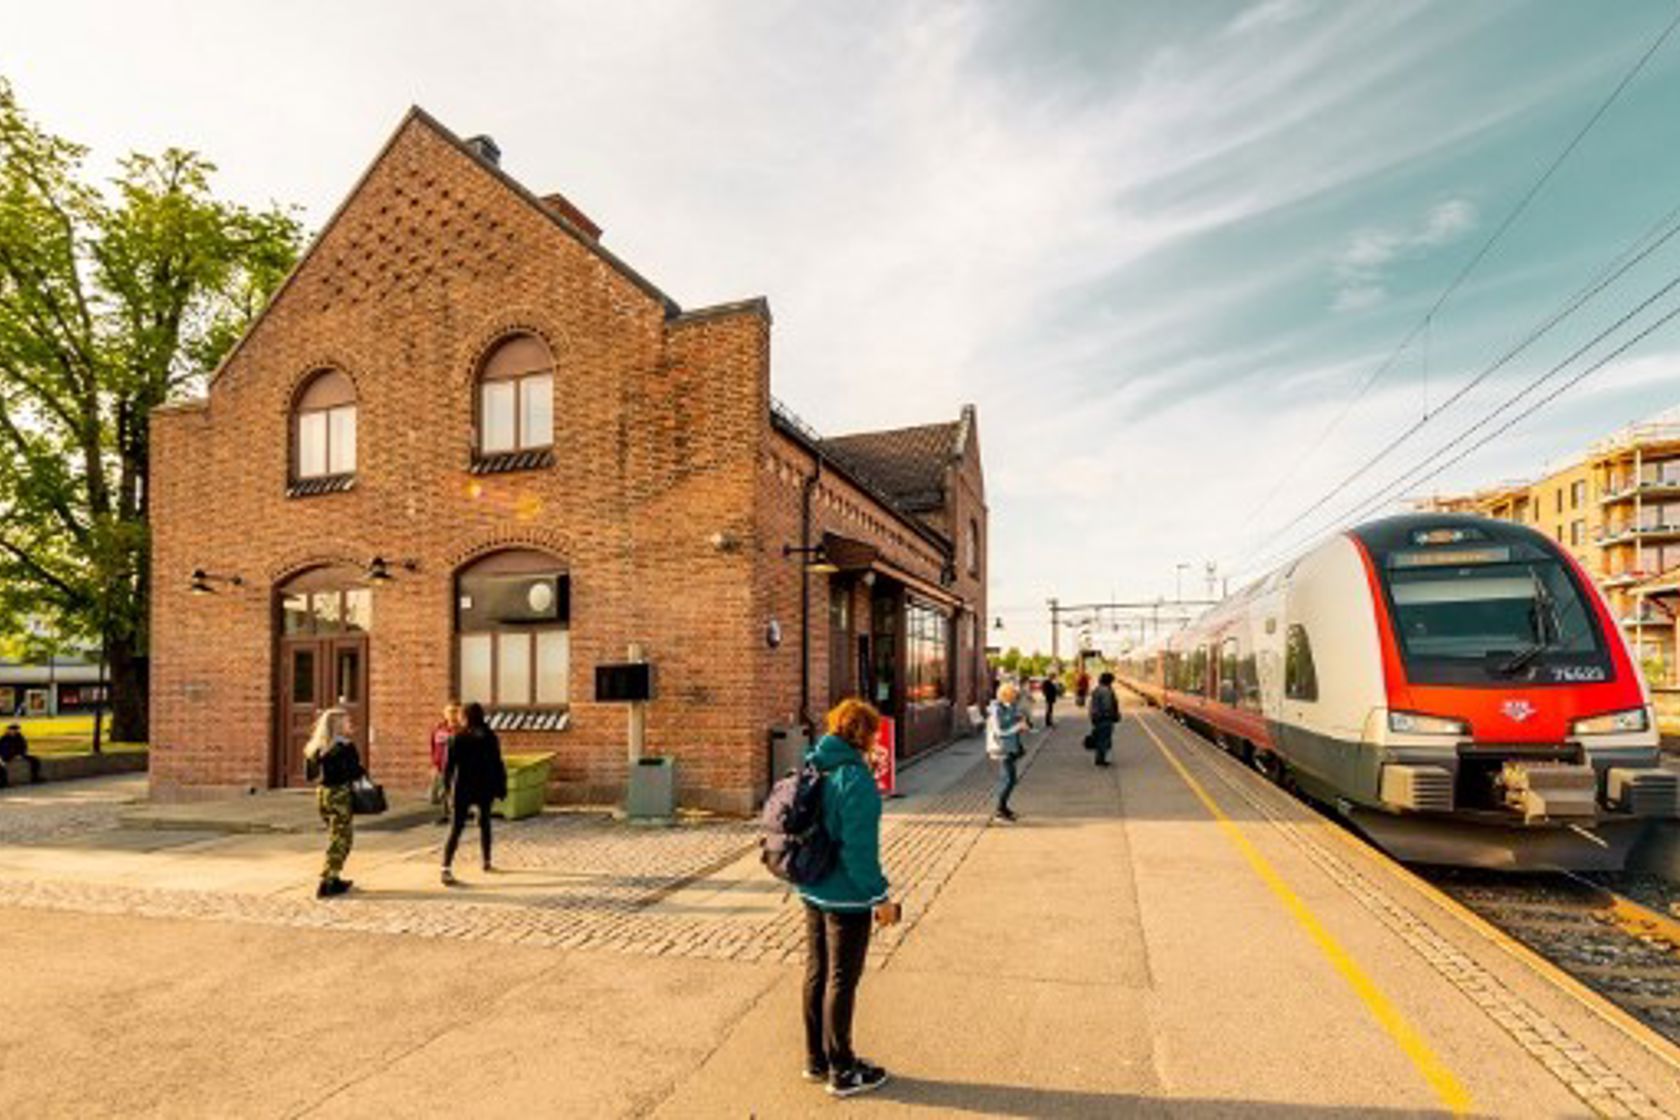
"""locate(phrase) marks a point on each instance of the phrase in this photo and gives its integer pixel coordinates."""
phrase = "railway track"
(1590, 927)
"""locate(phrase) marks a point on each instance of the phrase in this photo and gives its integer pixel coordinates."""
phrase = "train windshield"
(1501, 620)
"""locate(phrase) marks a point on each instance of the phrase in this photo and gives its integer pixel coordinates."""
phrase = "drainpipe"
(809, 488)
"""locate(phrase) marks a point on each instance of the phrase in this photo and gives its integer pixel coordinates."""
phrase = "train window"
(1228, 672)
(1248, 682)
(1300, 679)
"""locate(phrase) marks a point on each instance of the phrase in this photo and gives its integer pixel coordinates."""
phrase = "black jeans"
(1049, 713)
(836, 945)
(459, 822)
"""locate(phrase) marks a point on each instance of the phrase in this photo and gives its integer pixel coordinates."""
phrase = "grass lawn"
(68, 735)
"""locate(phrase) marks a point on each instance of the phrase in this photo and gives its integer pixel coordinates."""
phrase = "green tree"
(112, 302)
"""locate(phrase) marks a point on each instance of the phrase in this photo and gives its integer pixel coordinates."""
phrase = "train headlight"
(1415, 723)
(1611, 723)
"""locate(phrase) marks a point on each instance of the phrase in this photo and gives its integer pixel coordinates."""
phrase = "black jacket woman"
(331, 758)
(474, 776)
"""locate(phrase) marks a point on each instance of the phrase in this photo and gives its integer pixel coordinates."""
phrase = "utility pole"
(1178, 581)
(1055, 631)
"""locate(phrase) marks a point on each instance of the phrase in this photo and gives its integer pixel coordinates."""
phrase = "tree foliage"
(112, 301)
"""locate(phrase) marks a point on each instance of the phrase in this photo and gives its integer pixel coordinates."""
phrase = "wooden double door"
(317, 673)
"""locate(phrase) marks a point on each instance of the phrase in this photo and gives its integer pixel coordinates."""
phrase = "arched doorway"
(321, 658)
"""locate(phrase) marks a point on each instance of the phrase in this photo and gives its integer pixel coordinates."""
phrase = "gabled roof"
(907, 463)
(418, 115)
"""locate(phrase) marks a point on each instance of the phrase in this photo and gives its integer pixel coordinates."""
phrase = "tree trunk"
(129, 692)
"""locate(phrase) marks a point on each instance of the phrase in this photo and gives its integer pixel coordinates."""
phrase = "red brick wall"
(669, 499)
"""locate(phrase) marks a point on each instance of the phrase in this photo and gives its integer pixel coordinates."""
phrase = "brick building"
(467, 451)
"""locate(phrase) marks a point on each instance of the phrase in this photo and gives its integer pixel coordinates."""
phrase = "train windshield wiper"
(1545, 629)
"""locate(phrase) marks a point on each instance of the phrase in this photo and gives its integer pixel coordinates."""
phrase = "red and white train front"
(1456, 685)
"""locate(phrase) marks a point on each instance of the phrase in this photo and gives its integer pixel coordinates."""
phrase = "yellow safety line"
(1447, 1087)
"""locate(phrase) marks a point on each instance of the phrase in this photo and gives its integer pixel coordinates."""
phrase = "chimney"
(486, 149)
(562, 206)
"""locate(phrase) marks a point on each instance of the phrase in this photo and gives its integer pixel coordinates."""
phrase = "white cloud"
(1361, 267)
(1269, 13)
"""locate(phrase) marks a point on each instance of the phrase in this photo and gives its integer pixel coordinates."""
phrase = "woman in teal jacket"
(841, 908)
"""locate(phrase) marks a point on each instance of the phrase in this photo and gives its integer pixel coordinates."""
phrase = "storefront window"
(927, 655)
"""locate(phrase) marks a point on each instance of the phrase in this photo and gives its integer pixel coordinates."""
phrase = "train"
(1453, 686)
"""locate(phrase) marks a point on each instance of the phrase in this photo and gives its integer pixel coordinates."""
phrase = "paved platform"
(1169, 937)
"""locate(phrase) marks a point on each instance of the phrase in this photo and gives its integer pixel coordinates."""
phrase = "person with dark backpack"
(1105, 713)
(836, 865)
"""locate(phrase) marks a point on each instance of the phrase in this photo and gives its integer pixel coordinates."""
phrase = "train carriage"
(1455, 685)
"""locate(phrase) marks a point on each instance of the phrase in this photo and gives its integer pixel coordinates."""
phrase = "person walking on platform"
(1052, 690)
(1081, 687)
(14, 745)
(441, 734)
(475, 775)
(842, 906)
(1006, 726)
(1105, 713)
(331, 758)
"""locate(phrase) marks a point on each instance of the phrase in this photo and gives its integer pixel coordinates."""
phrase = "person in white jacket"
(1006, 725)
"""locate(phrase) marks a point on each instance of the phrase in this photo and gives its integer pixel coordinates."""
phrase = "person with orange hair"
(842, 906)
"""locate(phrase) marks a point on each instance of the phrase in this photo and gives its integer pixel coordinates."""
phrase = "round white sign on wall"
(540, 596)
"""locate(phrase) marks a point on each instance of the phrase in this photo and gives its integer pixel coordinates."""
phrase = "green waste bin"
(527, 785)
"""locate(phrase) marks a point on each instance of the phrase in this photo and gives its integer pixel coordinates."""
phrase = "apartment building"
(1616, 508)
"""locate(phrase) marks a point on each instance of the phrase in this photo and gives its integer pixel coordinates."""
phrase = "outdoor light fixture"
(379, 570)
(816, 558)
(201, 581)
(997, 623)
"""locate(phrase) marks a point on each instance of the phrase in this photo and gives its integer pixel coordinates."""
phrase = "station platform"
(1175, 936)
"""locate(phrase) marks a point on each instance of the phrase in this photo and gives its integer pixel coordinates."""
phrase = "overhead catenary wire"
(1426, 322)
(1413, 476)
(1614, 270)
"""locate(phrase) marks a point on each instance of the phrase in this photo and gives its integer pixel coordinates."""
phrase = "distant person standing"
(441, 734)
(1081, 687)
(1052, 689)
(1006, 726)
(842, 907)
(14, 745)
(475, 776)
(1105, 713)
(331, 758)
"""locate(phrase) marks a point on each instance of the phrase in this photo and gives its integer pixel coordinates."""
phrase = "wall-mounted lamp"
(816, 558)
(202, 580)
(997, 623)
(724, 542)
(379, 570)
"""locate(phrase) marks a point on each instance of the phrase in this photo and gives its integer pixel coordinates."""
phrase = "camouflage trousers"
(334, 803)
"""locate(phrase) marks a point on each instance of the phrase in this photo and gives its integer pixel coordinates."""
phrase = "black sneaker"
(1004, 816)
(861, 1078)
(331, 887)
(815, 1071)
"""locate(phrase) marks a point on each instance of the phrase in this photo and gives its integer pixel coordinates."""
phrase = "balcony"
(1646, 488)
(1622, 534)
(1620, 579)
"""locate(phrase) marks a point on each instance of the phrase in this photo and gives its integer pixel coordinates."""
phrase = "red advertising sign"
(885, 759)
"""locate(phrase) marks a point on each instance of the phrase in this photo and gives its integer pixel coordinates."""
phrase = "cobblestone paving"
(43, 822)
(1585, 1074)
(599, 883)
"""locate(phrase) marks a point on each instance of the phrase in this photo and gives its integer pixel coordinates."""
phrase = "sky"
(1171, 251)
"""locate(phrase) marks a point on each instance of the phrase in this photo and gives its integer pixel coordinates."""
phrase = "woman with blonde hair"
(841, 907)
(331, 758)
(1006, 724)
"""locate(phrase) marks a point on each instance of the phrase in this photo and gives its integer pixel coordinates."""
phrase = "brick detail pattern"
(660, 495)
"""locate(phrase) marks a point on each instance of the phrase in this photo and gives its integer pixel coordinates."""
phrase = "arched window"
(512, 632)
(516, 397)
(324, 427)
